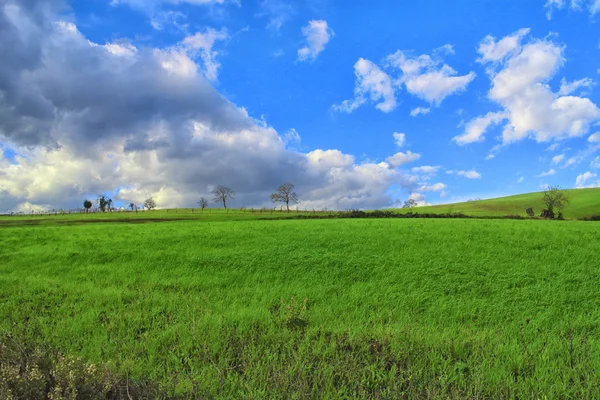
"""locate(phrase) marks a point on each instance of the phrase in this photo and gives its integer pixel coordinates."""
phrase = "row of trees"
(222, 194)
(106, 204)
(284, 194)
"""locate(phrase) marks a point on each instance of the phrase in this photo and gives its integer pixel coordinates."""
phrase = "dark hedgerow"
(390, 214)
(592, 218)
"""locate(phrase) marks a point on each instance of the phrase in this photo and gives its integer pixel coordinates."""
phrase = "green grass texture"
(365, 308)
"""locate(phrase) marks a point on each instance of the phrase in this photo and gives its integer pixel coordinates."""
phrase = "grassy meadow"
(584, 203)
(212, 307)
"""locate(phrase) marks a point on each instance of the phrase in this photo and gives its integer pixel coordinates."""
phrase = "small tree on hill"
(203, 203)
(102, 203)
(410, 203)
(87, 205)
(132, 206)
(222, 195)
(150, 204)
(285, 194)
(555, 199)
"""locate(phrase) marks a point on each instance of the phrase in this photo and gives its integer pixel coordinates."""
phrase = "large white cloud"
(371, 84)
(316, 34)
(425, 76)
(86, 119)
(519, 75)
(428, 78)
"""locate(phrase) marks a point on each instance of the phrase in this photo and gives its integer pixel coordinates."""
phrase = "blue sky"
(361, 104)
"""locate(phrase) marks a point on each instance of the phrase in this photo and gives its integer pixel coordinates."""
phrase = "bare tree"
(150, 204)
(87, 205)
(555, 198)
(222, 194)
(285, 194)
(203, 203)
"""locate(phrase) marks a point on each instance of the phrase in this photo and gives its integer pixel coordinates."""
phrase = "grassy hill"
(584, 203)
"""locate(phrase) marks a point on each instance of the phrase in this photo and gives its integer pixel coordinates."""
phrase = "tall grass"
(315, 309)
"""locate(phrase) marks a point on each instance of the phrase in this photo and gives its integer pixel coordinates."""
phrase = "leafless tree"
(203, 203)
(285, 194)
(222, 195)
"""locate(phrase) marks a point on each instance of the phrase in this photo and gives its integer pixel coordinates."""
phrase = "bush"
(530, 212)
(32, 374)
(548, 214)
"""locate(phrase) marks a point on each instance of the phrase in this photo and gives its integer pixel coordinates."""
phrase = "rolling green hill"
(584, 203)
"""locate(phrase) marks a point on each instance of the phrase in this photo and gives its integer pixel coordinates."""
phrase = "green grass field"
(366, 308)
(584, 203)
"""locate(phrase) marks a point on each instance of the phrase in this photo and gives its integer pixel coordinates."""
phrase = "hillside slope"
(584, 203)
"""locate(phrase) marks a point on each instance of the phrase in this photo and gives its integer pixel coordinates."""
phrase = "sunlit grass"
(396, 308)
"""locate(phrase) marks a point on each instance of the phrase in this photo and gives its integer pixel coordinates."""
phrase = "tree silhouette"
(222, 195)
(150, 204)
(87, 205)
(285, 194)
(203, 203)
(102, 202)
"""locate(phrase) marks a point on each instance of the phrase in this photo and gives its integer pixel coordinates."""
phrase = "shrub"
(530, 212)
(548, 214)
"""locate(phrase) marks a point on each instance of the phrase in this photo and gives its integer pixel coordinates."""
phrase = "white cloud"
(317, 34)
(547, 173)
(521, 179)
(427, 169)
(472, 174)
(146, 122)
(427, 77)
(371, 84)
(595, 163)
(572, 161)
(594, 138)
(496, 51)
(400, 158)
(520, 87)
(557, 159)
(417, 196)
(438, 187)
(447, 49)
(278, 12)
(400, 139)
(291, 138)
(202, 45)
(592, 6)
(419, 111)
(476, 128)
(144, 4)
(571, 87)
(553, 147)
(585, 180)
